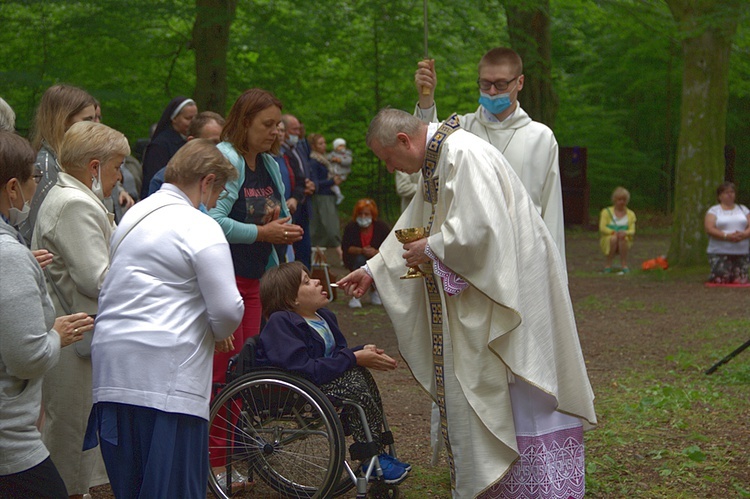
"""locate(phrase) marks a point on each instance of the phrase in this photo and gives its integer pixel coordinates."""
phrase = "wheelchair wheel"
(279, 430)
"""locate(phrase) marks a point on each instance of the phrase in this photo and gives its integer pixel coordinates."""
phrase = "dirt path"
(622, 321)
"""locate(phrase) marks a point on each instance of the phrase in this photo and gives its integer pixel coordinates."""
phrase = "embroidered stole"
(430, 186)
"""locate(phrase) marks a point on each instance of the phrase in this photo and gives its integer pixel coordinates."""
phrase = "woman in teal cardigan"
(616, 229)
(252, 214)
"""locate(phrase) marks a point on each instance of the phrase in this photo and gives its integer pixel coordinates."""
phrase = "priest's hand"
(426, 78)
(356, 284)
(415, 253)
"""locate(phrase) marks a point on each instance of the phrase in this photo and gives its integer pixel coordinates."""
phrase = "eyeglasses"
(500, 85)
(38, 176)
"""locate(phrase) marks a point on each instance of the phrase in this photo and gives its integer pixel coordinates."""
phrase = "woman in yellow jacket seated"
(617, 228)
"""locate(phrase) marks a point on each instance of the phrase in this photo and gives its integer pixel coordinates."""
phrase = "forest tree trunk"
(529, 30)
(707, 28)
(213, 20)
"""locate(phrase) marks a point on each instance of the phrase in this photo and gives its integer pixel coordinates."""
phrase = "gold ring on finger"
(75, 330)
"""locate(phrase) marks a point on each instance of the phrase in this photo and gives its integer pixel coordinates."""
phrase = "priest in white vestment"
(489, 332)
(529, 146)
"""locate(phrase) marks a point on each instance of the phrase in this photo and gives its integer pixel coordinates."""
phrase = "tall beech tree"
(706, 28)
(529, 30)
(213, 21)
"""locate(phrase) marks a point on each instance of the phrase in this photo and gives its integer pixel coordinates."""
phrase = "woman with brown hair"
(253, 215)
(31, 338)
(728, 227)
(61, 106)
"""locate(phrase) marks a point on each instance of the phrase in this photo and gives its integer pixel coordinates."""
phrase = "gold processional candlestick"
(407, 236)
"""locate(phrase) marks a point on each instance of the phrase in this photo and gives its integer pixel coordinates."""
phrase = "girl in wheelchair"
(303, 337)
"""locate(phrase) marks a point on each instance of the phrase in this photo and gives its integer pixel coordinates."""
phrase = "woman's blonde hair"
(195, 160)
(86, 140)
(619, 192)
(58, 106)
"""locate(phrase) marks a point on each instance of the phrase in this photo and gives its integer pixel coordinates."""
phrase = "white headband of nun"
(179, 108)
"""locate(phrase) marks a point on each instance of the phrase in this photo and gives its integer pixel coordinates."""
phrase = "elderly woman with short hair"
(168, 302)
(75, 226)
(30, 335)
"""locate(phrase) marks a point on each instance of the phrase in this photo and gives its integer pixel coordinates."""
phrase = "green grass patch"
(427, 482)
(660, 432)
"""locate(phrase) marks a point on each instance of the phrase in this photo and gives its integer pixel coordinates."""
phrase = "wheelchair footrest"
(386, 438)
(362, 451)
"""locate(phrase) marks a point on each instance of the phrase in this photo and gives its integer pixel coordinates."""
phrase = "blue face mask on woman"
(495, 104)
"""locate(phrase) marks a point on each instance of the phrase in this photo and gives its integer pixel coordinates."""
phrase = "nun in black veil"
(170, 134)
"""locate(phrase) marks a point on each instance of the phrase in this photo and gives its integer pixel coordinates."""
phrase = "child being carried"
(340, 164)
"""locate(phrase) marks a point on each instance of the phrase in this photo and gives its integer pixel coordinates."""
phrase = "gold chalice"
(407, 236)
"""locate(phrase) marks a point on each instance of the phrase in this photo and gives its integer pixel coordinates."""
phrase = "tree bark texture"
(706, 28)
(529, 30)
(213, 20)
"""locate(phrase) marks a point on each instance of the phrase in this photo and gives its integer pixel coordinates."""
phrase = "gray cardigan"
(28, 348)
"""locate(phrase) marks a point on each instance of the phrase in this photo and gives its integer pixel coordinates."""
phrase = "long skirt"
(325, 230)
(67, 399)
(152, 453)
(728, 269)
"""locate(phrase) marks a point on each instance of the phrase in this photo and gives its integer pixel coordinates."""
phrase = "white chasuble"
(531, 149)
(514, 321)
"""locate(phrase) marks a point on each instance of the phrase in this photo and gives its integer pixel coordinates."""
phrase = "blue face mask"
(202, 208)
(495, 104)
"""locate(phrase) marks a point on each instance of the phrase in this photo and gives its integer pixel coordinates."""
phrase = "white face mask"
(96, 184)
(16, 216)
(202, 206)
(292, 140)
(364, 222)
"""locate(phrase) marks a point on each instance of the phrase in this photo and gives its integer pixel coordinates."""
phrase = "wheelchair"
(284, 434)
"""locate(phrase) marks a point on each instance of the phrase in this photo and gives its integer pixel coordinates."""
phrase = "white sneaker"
(355, 303)
(375, 298)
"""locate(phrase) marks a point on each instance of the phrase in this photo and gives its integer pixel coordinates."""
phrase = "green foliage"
(616, 70)
(659, 424)
(616, 63)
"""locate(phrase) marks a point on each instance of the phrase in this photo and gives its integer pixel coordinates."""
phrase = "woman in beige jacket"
(74, 225)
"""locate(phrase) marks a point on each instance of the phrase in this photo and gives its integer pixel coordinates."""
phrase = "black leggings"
(42, 481)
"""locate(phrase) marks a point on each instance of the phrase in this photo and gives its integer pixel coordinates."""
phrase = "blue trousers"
(150, 453)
